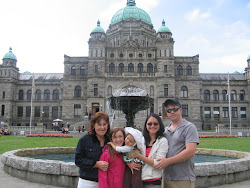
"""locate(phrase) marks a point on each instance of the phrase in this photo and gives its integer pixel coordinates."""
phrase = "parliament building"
(131, 53)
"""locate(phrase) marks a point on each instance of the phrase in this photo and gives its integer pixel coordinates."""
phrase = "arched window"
(224, 95)
(179, 70)
(73, 70)
(140, 67)
(78, 91)
(189, 70)
(38, 94)
(184, 92)
(130, 67)
(55, 94)
(29, 93)
(149, 55)
(140, 55)
(112, 55)
(46, 94)
(233, 95)
(121, 55)
(206, 95)
(20, 94)
(111, 67)
(83, 70)
(242, 95)
(216, 95)
(150, 67)
(121, 67)
(130, 55)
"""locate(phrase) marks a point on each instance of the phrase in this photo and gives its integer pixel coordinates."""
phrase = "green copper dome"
(164, 28)
(98, 28)
(131, 11)
(10, 55)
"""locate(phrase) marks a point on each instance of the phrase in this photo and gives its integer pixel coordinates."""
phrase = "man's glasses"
(173, 109)
(150, 124)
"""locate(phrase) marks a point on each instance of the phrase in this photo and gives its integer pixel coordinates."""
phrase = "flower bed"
(49, 135)
(218, 136)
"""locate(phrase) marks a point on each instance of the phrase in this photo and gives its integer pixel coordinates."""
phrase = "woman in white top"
(155, 146)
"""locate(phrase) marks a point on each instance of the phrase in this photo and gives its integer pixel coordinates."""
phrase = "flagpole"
(32, 88)
(229, 105)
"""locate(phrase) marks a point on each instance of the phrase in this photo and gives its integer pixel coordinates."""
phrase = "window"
(140, 67)
(38, 94)
(150, 68)
(216, 95)
(83, 70)
(160, 53)
(242, 95)
(96, 53)
(184, 92)
(165, 68)
(96, 69)
(77, 110)
(140, 55)
(189, 70)
(28, 111)
(121, 67)
(216, 112)
(130, 55)
(170, 53)
(165, 90)
(130, 67)
(179, 70)
(233, 95)
(121, 55)
(78, 91)
(112, 55)
(20, 94)
(234, 112)
(224, 95)
(29, 93)
(46, 94)
(243, 113)
(225, 112)
(207, 112)
(184, 110)
(95, 90)
(37, 111)
(54, 112)
(73, 70)
(206, 95)
(19, 111)
(3, 110)
(149, 55)
(55, 94)
(45, 111)
(112, 67)
(165, 53)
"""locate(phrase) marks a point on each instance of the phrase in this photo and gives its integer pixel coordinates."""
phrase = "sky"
(40, 32)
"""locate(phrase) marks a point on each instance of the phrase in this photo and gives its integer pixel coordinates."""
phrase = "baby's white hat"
(137, 136)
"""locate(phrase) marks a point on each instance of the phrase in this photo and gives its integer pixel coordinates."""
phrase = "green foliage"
(18, 142)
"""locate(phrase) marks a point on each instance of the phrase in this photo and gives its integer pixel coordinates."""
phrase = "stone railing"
(66, 174)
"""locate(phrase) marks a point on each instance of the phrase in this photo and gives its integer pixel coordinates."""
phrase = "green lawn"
(8, 143)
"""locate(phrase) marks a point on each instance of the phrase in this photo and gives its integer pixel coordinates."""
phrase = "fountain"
(130, 100)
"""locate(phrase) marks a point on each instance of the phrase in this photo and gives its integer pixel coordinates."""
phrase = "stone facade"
(130, 53)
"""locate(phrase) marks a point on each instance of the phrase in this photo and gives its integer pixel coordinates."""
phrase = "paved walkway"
(12, 182)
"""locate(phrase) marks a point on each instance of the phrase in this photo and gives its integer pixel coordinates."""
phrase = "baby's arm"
(112, 145)
(124, 149)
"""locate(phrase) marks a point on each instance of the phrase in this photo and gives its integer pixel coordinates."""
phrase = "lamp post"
(42, 120)
(86, 113)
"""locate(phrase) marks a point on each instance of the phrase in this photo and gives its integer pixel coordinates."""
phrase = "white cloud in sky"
(248, 5)
(196, 14)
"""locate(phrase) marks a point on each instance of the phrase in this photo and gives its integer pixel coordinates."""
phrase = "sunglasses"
(150, 124)
(172, 110)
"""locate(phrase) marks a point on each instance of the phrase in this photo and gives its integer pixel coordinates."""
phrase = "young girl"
(113, 177)
(133, 141)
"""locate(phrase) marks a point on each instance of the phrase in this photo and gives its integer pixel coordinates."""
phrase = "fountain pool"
(65, 174)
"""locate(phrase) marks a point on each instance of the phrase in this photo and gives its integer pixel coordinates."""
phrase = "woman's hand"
(133, 166)
(103, 165)
(133, 155)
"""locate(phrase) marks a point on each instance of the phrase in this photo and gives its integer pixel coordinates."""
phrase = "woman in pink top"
(113, 177)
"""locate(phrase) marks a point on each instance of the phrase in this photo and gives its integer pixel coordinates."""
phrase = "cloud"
(196, 15)
(248, 5)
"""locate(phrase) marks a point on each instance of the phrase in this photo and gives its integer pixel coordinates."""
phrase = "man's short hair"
(172, 102)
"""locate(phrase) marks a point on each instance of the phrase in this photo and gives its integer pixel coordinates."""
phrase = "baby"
(133, 140)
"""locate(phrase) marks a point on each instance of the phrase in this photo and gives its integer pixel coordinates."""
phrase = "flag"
(33, 84)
